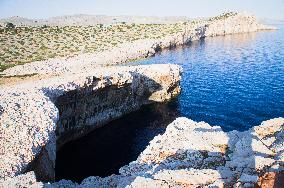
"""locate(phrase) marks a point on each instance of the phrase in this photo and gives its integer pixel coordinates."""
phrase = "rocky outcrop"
(232, 23)
(222, 25)
(35, 115)
(24, 180)
(82, 110)
(192, 154)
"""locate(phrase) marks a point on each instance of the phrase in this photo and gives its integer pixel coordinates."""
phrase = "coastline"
(143, 48)
(78, 73)
(60, 109)
(196, 154)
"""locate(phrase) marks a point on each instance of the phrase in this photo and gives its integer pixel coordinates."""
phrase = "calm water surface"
(235, 82)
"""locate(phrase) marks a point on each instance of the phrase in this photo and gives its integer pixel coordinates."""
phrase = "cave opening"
(106, 149)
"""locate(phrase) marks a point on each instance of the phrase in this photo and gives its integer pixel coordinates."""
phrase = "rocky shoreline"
(125, 52)
(35, 115)
(195, 154)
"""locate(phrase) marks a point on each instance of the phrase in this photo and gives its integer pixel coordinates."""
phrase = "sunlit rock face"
(71, 106)
(195, 154)
(232, 23)
(117, 94)
(188, 154)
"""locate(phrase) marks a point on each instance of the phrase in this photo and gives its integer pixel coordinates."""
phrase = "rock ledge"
(191, 154)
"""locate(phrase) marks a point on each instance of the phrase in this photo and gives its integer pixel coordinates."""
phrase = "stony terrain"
(105, 45)
(27, 44)
(34, 40)
(34, 114)
(195, 154)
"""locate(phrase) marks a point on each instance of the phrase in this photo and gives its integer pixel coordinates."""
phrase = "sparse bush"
(43, 42)
(10, 25)
(44, 26)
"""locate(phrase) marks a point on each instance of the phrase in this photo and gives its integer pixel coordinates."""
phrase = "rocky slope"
(33, 116)
(230, 23)
(195, 154)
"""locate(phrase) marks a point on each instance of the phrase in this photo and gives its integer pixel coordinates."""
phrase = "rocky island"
(64, 98)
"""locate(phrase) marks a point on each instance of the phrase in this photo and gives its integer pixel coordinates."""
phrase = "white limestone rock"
(191, 154)
(29, 115)
(28, 118)
(24, 180)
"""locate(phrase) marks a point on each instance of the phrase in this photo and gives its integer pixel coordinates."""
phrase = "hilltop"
(91, 20)
(45, 49)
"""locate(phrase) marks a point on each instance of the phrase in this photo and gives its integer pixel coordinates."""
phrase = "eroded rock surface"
(188, 154)
(191, 154)
(71, 105)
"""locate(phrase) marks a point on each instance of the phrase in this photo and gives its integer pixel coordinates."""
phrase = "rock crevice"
(36, 115)
(195, 154)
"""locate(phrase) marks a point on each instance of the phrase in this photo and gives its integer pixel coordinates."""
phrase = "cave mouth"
(106, 149)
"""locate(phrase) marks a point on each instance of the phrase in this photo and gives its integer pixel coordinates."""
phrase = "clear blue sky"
(192, 8)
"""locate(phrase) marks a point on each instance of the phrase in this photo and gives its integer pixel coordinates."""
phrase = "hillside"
(91, 20)
(26, 44)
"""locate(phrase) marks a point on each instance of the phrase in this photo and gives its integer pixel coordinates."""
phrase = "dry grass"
(21, 45)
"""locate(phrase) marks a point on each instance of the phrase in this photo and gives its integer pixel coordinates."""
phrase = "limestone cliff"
(195, 154)
(35, 115)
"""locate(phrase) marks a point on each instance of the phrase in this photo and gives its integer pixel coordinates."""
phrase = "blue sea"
(234, 81)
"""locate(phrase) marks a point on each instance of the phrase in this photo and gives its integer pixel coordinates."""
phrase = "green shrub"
(10, 25)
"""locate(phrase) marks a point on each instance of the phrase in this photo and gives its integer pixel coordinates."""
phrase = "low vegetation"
(19, 45)
(223, 16)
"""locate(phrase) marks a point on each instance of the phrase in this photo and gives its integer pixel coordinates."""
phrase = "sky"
(273, 9)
